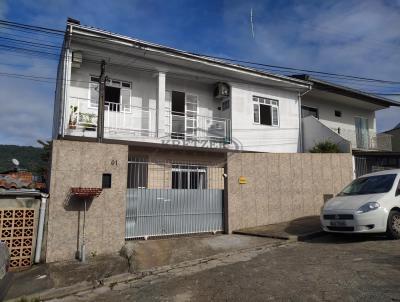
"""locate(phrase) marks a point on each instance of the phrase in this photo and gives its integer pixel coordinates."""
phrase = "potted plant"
(73, 117)
(87, 121)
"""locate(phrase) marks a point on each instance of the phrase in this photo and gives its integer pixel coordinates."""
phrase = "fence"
(267, 188)
(374, 163)
(169, 198)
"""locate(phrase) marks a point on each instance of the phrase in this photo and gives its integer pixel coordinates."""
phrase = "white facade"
(342, 115)
(257, 137)
(147, 82)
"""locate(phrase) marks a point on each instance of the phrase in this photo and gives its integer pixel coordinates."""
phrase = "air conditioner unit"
(221, 90)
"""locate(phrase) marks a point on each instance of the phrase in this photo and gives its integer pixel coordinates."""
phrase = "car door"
(397, 192)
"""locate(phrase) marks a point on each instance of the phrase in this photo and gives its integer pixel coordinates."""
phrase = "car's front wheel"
(393, 225)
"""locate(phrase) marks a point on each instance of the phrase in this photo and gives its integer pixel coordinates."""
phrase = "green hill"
(29, 157)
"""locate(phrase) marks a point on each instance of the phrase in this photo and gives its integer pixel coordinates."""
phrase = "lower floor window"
(189, 177)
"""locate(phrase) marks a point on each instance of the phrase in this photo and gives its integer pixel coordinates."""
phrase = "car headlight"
(369, 206)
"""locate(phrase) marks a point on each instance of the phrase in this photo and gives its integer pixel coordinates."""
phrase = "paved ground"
(143, 255)
(298, 229)
(328, 268)
(154, 253)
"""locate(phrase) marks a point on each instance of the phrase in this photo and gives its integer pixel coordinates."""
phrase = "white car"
(370, 204)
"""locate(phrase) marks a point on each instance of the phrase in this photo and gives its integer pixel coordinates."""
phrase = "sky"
(341, 36)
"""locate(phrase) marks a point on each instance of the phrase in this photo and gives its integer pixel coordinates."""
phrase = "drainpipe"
(300, 118)
(42, 216)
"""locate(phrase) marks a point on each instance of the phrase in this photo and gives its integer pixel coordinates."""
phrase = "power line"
(276, 67)
(32, 27)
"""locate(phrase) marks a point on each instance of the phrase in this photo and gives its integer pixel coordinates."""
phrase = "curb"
(131, 277)
(302, 237)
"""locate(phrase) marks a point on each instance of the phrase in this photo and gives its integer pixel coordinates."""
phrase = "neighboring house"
(343, 115)
(159, 96)
(395, 137)
(20, 179)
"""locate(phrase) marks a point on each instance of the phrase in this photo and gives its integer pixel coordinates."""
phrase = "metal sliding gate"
(166, 198)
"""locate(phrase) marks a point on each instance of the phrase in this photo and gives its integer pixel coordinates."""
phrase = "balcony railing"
(366, 140)
(197, 127)
(122, 122)
(119, 121)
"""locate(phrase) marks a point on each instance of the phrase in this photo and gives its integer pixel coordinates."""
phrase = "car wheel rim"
(396, 223)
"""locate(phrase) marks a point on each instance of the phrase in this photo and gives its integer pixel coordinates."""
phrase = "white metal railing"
(130, 121)
(366, 140)
(118, 119)
(197, 127)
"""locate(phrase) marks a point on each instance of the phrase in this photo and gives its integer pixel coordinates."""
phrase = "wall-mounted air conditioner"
(221, 91)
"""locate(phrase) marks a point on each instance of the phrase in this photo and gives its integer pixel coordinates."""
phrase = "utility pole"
(102, 92)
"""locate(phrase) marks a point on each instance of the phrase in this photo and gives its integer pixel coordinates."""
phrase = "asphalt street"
(329, 268)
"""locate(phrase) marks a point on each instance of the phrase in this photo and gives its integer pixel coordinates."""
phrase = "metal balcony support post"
(160, 104)
(100, 113)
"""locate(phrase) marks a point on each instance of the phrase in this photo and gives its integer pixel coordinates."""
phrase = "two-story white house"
(158, 96)
(150, 127)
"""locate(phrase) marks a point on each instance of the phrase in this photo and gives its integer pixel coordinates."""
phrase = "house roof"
(156, 48)
(347, 91)
(23, 193)
(8, 182)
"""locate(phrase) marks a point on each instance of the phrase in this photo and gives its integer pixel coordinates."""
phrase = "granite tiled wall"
(281, 187)
(82, 164)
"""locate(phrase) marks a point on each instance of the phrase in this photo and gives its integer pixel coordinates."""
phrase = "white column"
(161, 104)
(66, 83)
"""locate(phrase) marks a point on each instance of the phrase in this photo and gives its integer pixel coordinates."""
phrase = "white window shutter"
(191, 98)
(168, 98)
(94, 94)
(275, 118)
(126, 100)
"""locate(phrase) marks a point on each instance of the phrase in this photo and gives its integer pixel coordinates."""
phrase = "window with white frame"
(189, 177)
(266, 111)
(117, 94)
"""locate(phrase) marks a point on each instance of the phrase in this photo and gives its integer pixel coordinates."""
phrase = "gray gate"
(173, 198)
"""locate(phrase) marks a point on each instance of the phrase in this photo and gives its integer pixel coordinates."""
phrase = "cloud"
(347, 36)
(3, 9)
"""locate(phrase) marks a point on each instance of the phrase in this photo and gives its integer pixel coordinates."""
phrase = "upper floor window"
(266, 111)
(117, 94)
(309, 111)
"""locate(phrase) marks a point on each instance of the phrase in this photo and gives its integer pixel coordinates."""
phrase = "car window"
(398, 189)
(370, 185)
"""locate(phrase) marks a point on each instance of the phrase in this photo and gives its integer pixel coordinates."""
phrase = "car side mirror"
(397, 192)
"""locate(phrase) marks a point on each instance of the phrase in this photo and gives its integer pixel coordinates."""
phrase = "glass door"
(362, 135)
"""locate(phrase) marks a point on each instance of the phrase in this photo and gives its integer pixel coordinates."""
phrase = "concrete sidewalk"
(299, 229)
(58, 279)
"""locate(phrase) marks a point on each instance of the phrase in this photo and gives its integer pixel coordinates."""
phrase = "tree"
(325, 147)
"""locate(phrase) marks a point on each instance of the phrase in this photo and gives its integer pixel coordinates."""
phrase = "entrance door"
(178, 115)
(362, 135)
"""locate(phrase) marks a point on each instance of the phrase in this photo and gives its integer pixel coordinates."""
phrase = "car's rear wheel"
(393, 225)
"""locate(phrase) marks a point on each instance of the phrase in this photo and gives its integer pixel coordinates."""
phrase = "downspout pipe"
(42, 216)
(299, 96)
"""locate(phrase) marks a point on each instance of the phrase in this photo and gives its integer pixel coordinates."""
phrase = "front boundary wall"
(82, 164)
(280, 187)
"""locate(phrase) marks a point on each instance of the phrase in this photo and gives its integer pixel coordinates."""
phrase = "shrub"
(325, 147)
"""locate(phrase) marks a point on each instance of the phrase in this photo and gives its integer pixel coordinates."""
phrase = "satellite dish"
(15, 161)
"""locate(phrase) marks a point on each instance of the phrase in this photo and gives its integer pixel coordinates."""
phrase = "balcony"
(366, 140)
(140, 124)
(314, 131)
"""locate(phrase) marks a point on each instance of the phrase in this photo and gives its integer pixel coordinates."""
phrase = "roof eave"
(189, 56)
(347, 91)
